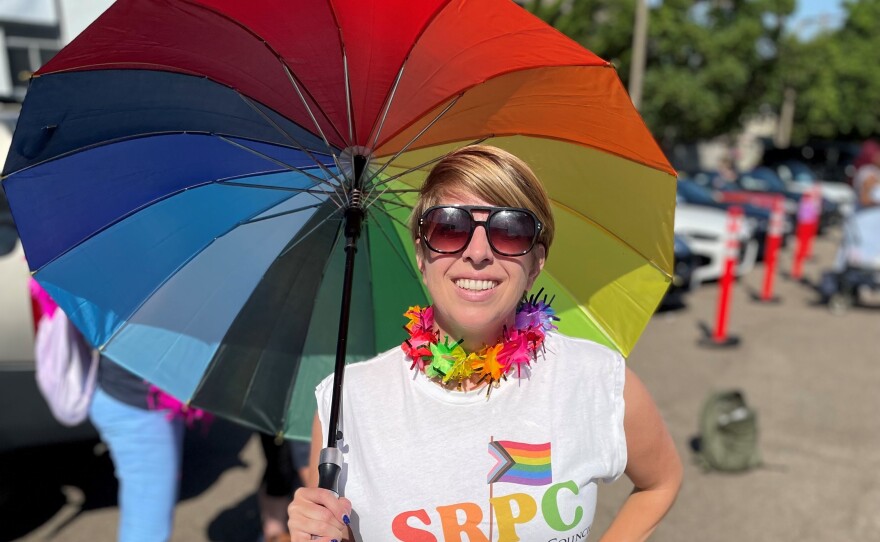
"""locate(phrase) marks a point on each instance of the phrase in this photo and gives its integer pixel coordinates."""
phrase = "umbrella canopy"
(182, 172)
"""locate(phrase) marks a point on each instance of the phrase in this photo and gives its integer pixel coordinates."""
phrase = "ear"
(539, 256)
(420, 258)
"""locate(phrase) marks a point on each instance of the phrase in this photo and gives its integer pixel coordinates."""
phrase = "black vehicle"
(685, 264)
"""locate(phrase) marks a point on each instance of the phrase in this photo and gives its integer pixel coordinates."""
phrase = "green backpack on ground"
(728, 433)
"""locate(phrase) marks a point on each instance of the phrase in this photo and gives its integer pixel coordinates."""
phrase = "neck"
(474, 339)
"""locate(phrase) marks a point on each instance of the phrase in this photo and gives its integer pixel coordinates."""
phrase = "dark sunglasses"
(448, 229)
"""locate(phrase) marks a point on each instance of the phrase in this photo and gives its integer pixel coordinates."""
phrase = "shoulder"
(573, 349)
(587, 362)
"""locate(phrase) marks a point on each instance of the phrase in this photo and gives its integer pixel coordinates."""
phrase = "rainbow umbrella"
(192, 180)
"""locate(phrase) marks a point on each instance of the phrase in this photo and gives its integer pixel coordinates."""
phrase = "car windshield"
(691, 192)
(800, 172)
(761, 179)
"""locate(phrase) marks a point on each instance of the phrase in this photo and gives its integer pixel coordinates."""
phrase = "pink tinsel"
(159, 400)
(46, 303)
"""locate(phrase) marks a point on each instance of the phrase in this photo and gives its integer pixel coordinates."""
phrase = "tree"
(708, 62)
(836, 77)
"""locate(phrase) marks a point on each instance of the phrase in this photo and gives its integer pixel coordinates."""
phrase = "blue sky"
(808, 14)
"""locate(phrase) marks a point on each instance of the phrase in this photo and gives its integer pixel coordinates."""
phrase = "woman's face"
(475, 292)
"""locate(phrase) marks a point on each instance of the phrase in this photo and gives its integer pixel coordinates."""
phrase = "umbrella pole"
(330, 463)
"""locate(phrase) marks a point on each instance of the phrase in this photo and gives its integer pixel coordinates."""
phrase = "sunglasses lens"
(446, 229)
(512, 232)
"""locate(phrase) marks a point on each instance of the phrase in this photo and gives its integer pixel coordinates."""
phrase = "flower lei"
(447, 361)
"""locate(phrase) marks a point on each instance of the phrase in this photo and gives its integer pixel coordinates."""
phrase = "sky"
(808, 15)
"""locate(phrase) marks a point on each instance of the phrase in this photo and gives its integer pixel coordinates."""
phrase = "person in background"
(866, 181)
(286, 470)
(146, 446)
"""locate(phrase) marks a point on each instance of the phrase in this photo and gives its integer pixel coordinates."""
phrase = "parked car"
(686, 262)
(689, 191)
(799, 177)
(25, 419)
(704, 229)
(762, 185)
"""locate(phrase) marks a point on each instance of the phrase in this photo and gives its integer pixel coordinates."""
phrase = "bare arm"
(653, 465)
(866, 196)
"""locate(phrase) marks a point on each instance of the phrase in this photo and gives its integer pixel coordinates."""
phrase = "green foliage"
(712, 63)
(837, 77)
(706, 63)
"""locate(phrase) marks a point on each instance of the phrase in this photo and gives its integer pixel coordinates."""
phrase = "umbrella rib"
(258, 36)
(589, 315)
(611, 234)
(302, 237)
(284, 133)
(389, 99)
(416, 168)
(413, 140)
(289, 167)
(394, 218)
(273, 187)
(311, 114)
(408, 171)
(283, 213)
(348, 104)
(174, 272)
(390, 202)
(406, 261)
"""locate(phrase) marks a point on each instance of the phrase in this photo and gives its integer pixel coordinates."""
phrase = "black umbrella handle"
(329, 468)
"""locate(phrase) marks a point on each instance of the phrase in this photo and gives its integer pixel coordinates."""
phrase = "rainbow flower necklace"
(512, 354)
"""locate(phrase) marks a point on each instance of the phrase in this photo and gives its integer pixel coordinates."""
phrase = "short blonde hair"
(491, 174)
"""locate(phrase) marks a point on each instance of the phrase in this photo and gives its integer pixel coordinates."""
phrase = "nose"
(478, 251)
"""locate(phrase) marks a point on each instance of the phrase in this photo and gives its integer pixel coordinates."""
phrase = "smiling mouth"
(475, 285)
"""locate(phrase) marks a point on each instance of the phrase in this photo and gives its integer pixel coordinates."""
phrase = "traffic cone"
(720, 338)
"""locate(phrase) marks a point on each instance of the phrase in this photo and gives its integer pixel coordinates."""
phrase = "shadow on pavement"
(32, 480)
(35, 483)
(240, 523)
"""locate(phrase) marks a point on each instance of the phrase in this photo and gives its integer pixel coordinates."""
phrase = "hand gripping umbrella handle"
(329, 467)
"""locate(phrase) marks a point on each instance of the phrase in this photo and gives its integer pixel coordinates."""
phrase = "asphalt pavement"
(812, 376)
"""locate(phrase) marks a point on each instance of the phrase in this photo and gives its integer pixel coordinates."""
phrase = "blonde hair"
(491, 174)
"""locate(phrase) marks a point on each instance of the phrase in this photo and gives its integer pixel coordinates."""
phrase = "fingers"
(319, 513)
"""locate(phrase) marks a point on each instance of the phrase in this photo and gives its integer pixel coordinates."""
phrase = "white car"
(704, 229)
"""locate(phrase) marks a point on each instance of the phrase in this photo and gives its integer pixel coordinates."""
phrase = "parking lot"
(811, 375)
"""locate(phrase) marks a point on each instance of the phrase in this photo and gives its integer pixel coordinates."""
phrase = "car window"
(762, 179)
(694, 193)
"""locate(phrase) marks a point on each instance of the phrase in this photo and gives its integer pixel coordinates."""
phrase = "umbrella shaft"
(354, 219)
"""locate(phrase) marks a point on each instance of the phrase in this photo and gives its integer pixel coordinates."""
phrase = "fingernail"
(346, 519)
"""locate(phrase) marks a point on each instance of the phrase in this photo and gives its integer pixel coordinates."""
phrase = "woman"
(508, 443)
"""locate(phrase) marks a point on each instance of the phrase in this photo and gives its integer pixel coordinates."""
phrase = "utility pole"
(786, 119)
(637, 67)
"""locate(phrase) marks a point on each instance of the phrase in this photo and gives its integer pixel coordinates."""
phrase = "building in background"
(32, 31)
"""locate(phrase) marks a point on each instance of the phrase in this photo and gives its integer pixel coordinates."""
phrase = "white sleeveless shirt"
(426, 464)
